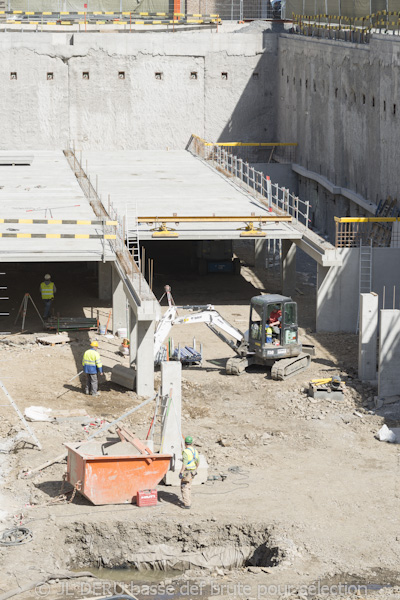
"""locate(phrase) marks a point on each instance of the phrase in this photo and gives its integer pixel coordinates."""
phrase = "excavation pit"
(167, 546)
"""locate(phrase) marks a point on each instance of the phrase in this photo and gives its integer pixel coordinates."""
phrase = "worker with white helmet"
(91, 363)
(47, 291)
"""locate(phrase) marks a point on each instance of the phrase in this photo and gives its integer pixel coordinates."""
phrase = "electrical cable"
(241, 483)
(16, 536)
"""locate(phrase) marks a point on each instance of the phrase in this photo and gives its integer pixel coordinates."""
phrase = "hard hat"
(95, 344)
(47, 276)
(188, 439)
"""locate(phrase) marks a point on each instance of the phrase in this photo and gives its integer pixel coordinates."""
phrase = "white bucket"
(102, 330)
(122, 332)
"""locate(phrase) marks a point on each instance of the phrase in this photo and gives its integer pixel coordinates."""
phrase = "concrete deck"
(161, 183)
(46, 189)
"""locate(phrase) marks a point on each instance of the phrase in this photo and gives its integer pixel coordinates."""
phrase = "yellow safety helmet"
(95, 344)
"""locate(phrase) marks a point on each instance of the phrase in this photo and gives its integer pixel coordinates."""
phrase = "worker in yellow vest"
(47, 291)
(190, 463)
(91, 363)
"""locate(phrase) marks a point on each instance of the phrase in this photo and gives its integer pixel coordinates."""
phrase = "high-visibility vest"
(91, 361)
(192, 456)
(47, 290)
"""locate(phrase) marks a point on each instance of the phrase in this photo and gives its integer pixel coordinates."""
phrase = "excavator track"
(236, 365)
(287, 367)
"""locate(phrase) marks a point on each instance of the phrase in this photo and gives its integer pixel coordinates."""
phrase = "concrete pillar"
(389, 354)
(133, 333)
(105, 280)
(171, 386)
(145, 358)
(260, 251)
(368, 337)
(119, 313)
(288, 267)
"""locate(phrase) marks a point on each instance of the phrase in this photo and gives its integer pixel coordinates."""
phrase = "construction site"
(200, 299)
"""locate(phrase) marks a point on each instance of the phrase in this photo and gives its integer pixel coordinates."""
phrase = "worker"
(92, 365)
(190, 463)
(275, 318)
(47, 291)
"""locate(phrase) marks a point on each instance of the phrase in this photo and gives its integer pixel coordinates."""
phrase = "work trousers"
(47, 307)
(91, 383)
(186, 486)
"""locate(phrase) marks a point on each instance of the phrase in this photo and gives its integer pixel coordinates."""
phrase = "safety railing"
(18, 17)
(125, 259)
(275, 197)
(351, 29)
(378, 231)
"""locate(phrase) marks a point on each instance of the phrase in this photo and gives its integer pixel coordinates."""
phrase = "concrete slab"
(164, 183)
(46, 189)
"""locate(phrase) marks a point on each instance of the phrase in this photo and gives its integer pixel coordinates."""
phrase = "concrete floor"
(46, 189)
(162, 183)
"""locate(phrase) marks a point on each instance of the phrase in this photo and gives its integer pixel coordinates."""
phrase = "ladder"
(158, 422)
(132, 233)
(365, 274)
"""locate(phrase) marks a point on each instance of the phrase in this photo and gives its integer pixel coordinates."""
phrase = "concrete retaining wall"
(338, 287)
(122, 91)
(341, 103)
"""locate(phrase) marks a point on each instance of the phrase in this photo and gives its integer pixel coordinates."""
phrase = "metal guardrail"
(351, 29)
(276, 198)
(377, 231)
(105, 18)
(125, 262)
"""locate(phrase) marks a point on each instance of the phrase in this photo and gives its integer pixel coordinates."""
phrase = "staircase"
(132, 233)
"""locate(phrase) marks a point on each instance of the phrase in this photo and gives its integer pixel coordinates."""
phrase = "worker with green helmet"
(190, 463)
(91, 363)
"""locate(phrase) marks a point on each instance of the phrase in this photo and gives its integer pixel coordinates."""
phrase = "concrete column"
(105, 280)
(133, 335)
(119, 313)
(145, 358)
(288, 267)
(171, 385)
(368, 337)
(260, 251)
(327, 319)
(389, 354)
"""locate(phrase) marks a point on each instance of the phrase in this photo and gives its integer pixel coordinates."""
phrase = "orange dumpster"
(113, 479)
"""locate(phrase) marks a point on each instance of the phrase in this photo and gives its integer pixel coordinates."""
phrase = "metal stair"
(365, 274)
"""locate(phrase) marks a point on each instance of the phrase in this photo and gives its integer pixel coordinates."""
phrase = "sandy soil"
(313, 482)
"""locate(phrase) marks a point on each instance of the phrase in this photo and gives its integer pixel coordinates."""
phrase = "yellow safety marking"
(53, 235)
(83, 222)
(139, 22)
(46, 13)
(161, 14)
(66, 23)
(156, 22)
(25, 221)
(110, 237)
(64, 13)
(109, 13)
(29, 13)
(54, 222)
(366, 219)
(100, 22)
(17, 12)
(144, 14)
(82, 236)
(51, 23)
(81, 13)
(2, 12)
(126, 13)
(23, 235)
(97, 12)
(193, 21)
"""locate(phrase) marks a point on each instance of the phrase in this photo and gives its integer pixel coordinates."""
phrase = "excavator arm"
(199, 314)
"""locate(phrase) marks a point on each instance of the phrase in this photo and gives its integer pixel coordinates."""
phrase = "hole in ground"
(165, 545)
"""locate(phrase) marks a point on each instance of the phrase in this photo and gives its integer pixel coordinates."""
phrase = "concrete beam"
(288, 267)
(105, 280)
(145, 358)
(368, 337)
(389, 354)
(119, 308)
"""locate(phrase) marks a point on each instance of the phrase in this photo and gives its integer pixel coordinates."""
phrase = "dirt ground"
(306, 479)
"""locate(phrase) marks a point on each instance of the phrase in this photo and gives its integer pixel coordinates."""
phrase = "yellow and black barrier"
(59, 222)
(58, 236)
(109, 17)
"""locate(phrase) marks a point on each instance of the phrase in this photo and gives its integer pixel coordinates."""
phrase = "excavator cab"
(273, 328)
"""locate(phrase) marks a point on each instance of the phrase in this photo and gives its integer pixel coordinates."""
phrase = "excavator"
(277, 347)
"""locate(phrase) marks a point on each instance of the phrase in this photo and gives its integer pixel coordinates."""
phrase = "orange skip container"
(114, 479)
